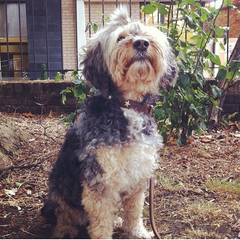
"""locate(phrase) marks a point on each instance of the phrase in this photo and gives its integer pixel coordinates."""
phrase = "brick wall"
(69, 34)
(32, 96)
(35, 96)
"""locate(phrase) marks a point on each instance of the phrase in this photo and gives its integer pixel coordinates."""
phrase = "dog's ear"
(171, 74)
(94, 67)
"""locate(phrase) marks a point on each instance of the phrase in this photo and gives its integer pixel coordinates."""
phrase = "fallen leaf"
(205, 154)
(28, 191)
(237, 169)
(205, 140)
(190, 140)
(11, 192)
(28, 115)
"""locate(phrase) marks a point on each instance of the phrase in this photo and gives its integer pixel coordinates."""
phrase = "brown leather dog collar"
(138, 106)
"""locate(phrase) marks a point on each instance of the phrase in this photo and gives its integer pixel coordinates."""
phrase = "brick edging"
(35, 96)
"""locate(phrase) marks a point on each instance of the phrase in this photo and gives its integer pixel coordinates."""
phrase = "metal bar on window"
(76, 28)
(47, 48)
(116, 3)
(61, 39)
(228, 24)
(130, 7)
(144, 13)
(20, 34)
(103, 13)
(89, 16)
(6, 16)
(33, 24)
(199, 12)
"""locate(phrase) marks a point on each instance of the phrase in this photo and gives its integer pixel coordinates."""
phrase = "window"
(13, 40)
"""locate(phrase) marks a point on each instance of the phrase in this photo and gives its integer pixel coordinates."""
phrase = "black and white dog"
(111, 152)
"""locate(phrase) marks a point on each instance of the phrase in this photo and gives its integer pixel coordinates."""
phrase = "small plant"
(79, 90)
(44, 75)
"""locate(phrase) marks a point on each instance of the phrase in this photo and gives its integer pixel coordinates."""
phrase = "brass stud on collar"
(127, 103)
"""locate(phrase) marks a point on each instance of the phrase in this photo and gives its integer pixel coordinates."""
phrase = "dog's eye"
(120, 38)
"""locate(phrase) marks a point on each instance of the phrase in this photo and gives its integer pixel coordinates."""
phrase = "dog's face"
(135, 58)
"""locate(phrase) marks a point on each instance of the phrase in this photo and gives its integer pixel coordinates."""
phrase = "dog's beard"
(140, 72)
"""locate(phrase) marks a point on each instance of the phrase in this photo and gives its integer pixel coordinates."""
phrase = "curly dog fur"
(112, 150)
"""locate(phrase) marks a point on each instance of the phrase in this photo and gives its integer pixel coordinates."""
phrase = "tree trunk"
(214, 119)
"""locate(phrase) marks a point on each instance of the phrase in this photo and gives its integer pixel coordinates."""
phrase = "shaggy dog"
(111, 152)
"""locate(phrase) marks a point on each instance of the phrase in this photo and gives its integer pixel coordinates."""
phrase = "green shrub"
(79, 91)
(186, 106)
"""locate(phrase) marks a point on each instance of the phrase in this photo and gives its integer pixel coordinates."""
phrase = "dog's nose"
(141, 44)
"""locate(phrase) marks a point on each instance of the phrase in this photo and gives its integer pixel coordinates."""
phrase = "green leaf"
(169, 111)
(190, 2)
(58, 77)
(234, 65)
(184, 80)
(219, 31)
(95, 27)
(163, 129)
(225, 37)
(18, 184)
(217, 92)
(82, 96)
(206, 54)
(228, 3)
(160, 113)
(78, 81)
(222, 73)
(221, 46)
(215, 59)
(163, 11)
(183, 56)
(179, 142)
(149, 9)
(230, 75)
(64, 98)
(183, 44)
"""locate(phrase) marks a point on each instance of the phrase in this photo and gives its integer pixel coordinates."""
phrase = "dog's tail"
(48, 211)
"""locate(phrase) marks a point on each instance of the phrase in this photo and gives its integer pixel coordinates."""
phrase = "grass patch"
(169, 184)
(226, 188)
(204, 210)
(200, 234)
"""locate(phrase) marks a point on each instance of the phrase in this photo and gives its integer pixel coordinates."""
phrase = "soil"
(197, 187)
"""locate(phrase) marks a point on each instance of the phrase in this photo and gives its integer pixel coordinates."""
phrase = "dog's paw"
(141, 234)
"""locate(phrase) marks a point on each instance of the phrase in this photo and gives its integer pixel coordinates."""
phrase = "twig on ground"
(25, 166)
(28, 232)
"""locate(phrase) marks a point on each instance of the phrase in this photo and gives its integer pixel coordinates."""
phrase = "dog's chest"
(126, 165)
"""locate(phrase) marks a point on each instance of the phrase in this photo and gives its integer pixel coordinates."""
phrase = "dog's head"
(131, 57)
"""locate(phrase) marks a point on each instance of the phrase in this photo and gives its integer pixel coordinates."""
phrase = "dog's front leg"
(132, 222)
(99, 208)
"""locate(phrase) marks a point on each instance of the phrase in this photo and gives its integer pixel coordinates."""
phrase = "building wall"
(234, 19)
(69, 35)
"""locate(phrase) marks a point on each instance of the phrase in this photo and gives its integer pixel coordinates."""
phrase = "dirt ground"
(197, 189)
